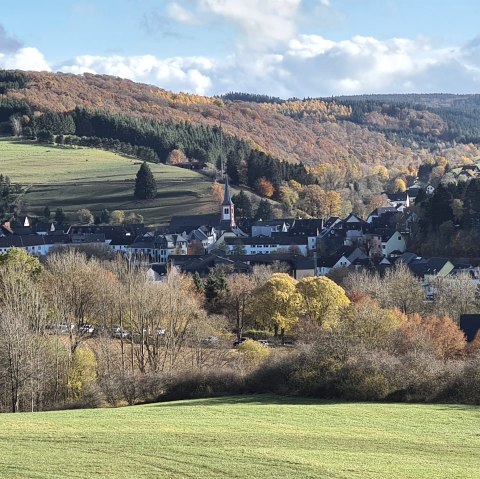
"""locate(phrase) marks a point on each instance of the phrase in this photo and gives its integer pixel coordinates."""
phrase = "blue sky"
(278, 47)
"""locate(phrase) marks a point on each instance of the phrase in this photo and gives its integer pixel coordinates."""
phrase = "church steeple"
(228, 213)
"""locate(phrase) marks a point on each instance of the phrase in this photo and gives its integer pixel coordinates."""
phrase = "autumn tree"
(175, 157)
(117, 217)
(330, 177)
(277, 303)
(145, 185)
(365, 322)
(312, 198)
(321, 300)
(289, 197)
(331, 204)
(399, 185)
(82, 372)
(84, 216)
(16, 257)
(264, 187)
(441, 334)
(216, 192)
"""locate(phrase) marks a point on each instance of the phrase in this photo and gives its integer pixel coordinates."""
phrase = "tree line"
(369, 338)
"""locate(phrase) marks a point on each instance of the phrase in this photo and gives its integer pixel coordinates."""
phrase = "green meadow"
(74, 178)
(245, 437)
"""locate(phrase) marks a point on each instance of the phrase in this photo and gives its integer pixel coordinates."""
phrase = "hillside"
(311, 131)
(75, 178)
(244, 437)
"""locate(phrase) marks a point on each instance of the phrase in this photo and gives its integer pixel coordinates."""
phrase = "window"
(226, 211)
(399, 238)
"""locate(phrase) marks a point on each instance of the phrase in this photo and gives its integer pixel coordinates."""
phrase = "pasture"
(74, 178)
(245, 437)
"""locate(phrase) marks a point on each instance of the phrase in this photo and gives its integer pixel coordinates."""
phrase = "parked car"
(120, 333)
(265, 342)
(60, 328)
(86, 329)
(210, 341)
(237, 342)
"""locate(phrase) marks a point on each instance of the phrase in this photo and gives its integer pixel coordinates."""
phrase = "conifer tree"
(145, 186)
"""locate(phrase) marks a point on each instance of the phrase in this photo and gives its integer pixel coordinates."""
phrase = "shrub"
(253, 353)
(200, 384)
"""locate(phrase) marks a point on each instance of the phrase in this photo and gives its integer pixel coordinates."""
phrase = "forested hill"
(396, 131)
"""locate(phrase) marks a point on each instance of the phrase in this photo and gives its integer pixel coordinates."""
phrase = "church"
(216, 226)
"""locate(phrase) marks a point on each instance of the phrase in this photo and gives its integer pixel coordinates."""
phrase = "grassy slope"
(96, 179)
(247, 437)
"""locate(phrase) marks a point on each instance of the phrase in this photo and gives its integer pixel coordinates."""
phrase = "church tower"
(227, 214)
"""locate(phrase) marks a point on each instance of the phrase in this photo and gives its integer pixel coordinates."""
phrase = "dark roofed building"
(470, 324)
(182, 224)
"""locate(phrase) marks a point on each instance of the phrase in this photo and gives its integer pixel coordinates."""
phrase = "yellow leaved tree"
(276, 303)
(321, 300)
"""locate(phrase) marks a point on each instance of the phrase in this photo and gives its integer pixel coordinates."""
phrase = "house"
(303, 267)
(412, 193)
(399, 200)
(267, 245)
(167, 245)
(437, 267)
(380, 212)
(344, 257)
(385, 242)
(268, 227)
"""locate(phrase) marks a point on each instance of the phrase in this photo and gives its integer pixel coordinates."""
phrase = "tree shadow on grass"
(253, 399)
(268, 399)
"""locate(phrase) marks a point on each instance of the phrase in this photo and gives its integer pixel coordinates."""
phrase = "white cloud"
(361, 64)
(177, 74)
(179, 14)
(264, 23)
(26, 58)
(309, 65)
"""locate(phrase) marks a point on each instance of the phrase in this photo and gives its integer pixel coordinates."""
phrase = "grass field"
(245, 437)
(74, 178)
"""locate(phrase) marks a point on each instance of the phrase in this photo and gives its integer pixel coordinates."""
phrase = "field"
(245, 437)
(74, 178)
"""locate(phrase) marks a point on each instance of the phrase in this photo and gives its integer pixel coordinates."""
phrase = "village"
(306, 247)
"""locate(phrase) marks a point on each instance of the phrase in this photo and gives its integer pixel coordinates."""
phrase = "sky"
(285, 48)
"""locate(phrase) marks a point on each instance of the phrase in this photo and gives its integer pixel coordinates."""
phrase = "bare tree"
(454, 296)
(236, 300)
(22, 320)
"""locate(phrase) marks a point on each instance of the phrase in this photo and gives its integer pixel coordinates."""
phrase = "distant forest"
(358, 146)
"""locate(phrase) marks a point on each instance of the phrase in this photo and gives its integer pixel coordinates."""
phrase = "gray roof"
(227, 199)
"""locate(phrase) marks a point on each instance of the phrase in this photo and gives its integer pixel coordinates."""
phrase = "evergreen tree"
(243, 205)
(105, 216)
(145, 186)
(60, 216)
(264, 211)
(198, 282)
(46, 212)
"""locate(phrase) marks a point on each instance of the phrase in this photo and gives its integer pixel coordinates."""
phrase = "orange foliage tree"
(264, 187)
(216, 192)
(443, 335)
